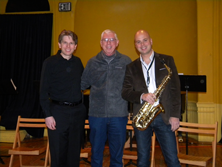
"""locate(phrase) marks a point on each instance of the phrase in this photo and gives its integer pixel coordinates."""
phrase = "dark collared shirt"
(60, 81)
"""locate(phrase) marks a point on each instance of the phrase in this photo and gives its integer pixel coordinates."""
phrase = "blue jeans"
(113, 129)
(166, 139)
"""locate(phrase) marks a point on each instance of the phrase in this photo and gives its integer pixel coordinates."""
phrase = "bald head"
(142, 32)
(143, 43)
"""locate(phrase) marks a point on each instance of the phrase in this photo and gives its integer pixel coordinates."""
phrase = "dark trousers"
(166, 139)
(65, 141)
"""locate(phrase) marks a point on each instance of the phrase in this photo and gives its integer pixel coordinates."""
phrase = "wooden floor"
(194, 148)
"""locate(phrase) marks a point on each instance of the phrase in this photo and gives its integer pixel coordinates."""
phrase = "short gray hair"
(108, 31)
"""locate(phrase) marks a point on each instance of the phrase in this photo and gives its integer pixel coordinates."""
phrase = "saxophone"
(148, 112)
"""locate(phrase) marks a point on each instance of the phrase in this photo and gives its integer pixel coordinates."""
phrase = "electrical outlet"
(64, 6)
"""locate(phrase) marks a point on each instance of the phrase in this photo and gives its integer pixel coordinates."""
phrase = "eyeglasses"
(108, 39)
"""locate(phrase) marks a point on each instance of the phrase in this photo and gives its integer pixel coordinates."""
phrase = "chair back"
(21, 149)
(204, 129)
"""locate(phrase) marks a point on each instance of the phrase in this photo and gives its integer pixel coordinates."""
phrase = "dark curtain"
(27, 6)
(25, 41)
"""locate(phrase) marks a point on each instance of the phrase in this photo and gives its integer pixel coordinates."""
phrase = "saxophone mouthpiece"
(162, 61)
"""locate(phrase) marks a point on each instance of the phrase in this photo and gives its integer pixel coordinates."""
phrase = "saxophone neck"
(165, 80)
(168, 69)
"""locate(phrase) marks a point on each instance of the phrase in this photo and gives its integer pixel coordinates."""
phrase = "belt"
(65, 103)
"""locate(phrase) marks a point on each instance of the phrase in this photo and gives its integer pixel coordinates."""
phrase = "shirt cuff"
(141, 100)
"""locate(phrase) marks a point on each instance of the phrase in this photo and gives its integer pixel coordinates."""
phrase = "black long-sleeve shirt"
(60, 81)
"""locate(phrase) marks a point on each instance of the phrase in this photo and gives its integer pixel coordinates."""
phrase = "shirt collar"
(62, 58)
(151, 58)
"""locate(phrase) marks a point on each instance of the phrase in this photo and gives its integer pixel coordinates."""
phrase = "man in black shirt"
(61, 101)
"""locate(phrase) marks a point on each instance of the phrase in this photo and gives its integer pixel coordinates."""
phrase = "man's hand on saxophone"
(149, 97)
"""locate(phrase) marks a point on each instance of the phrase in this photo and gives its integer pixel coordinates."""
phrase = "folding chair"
(206, 129)
(21, 150)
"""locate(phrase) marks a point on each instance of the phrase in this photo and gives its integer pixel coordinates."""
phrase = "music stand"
(7, 87)
(192, 83)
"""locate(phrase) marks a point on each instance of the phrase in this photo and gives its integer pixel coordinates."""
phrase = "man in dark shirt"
(61, 101)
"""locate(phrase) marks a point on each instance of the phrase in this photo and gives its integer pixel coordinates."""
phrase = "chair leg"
(47, 156)
(11, 160)
(153, 150)
(20, 158)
